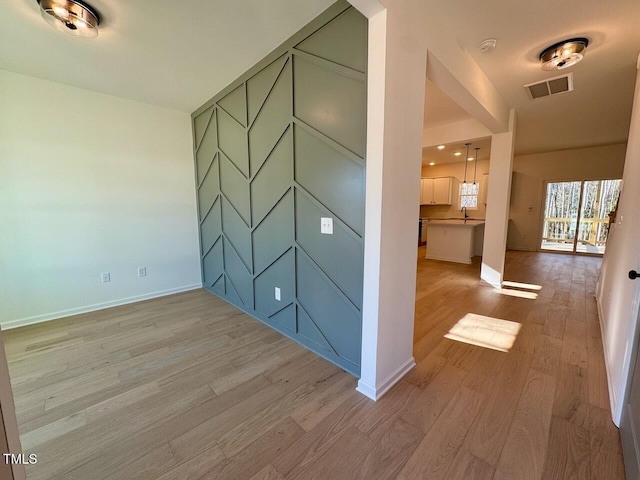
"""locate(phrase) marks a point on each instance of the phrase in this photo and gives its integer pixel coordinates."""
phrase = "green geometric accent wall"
(277, 150)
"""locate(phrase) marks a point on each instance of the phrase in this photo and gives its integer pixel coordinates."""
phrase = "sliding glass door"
(576, 215)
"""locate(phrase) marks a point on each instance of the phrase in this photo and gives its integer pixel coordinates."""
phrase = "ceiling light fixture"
(470, 159)
(563, 54)
(440, 147)
(432, 163)
(488, 44)
(457, 154)
(71, 16)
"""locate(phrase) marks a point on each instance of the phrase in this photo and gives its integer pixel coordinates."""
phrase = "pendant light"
(72, 16)
(465, 162)
(475, 168)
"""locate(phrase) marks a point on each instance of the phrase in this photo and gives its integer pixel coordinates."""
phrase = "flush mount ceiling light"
(563, 54)
(488, 44)
(71, 16)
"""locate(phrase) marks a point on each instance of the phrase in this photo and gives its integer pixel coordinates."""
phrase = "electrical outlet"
(278, 293)
(326, 225)
(106, 277)
(142, 271)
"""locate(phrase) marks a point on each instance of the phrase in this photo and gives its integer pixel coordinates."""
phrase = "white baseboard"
(521, 248)
(616, 410)
(442, 258)
(23, 322)
(376, 393)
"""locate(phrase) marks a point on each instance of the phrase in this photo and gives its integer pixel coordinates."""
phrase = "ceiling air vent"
(551, 86)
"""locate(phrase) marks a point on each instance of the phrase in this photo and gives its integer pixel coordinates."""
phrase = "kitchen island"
(454, 240)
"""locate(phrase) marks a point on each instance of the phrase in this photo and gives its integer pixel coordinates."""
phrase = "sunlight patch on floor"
(516, 293)
(526, 286)
(487, 332)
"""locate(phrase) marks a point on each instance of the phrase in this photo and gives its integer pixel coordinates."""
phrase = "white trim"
(22, 322)
(376, 393)
(449, 259)
(616, 410)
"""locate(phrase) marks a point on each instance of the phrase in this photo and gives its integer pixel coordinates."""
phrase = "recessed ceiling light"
(432, 163)
(440, 147)
(457, 154)
(71, 16)
(469, 159)
(563, 54)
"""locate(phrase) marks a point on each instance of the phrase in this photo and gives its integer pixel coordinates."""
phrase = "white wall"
(90, 183)
(618, 296)
(530, 172)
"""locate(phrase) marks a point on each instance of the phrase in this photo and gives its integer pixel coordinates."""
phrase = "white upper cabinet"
(436, 191)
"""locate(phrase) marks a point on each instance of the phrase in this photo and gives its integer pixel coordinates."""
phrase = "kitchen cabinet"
(436, 191)
(455, 240)
(484, 187)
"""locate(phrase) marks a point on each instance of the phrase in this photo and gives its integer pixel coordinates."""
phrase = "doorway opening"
(576, 215)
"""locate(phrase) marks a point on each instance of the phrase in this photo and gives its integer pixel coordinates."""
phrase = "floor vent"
(552, 86)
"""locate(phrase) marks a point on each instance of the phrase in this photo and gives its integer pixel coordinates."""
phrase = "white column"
(498, 196)
(396, 76)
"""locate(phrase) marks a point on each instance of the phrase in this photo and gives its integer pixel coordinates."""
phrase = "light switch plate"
(326, 225)
(278, 294)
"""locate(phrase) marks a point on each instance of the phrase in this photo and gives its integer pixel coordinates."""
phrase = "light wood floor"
(186, 387)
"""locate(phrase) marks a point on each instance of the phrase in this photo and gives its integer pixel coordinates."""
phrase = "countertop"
(472, 222)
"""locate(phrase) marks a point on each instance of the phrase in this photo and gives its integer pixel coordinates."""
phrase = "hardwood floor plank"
(487, 437)
(568, 452)
(252, 459)
(196, 468)
(310, 413)
(391, 451)
(605, 449)
(598, 391)
(572, 399)
(267, 473)
(432, 401)
(111, 405)
(375, 420)
(546, 358)
(316, 443)
(467, 466)
(348, 455)
(574, 344)
(41, 435)
(525, 448)
(435, 454)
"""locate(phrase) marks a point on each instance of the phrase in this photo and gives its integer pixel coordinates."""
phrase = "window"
(469, 195)
(577, 215)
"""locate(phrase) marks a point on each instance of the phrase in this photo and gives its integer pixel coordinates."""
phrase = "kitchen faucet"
(464, 209)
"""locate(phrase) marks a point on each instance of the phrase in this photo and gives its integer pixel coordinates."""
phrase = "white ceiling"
(175, 54)
(179, 54)
(447, 155)
(597, 112)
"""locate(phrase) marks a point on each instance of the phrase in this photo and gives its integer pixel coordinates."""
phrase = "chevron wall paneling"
(276, 151)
